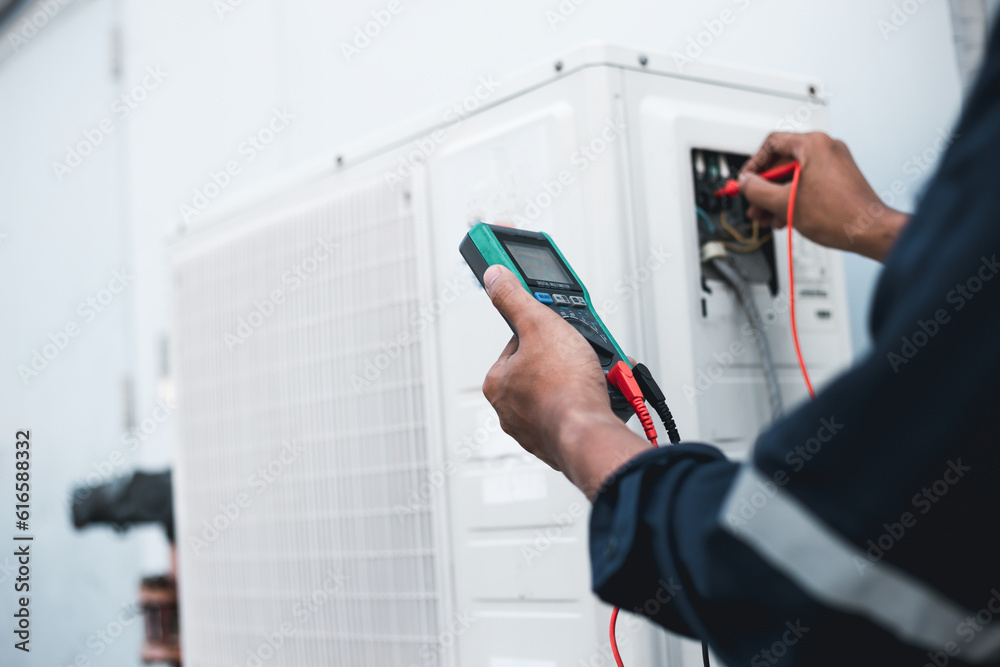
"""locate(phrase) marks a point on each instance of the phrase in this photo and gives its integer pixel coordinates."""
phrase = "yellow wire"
(732, 230)
(735, 247)
(746, 245)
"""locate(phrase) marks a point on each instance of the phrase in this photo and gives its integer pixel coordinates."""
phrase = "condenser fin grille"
(303, 431)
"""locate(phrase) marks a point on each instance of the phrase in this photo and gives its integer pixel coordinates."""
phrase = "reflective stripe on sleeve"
(793, 540)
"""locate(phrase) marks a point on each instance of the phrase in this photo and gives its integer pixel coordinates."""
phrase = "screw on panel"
(643, 60)
(340, 160)
(559, 65)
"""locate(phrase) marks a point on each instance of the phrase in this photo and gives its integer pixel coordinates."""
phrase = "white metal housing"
(398, 525)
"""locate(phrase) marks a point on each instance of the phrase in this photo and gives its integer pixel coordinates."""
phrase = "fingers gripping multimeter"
(545, 273)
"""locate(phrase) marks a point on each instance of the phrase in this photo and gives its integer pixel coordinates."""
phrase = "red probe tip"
(731, 189)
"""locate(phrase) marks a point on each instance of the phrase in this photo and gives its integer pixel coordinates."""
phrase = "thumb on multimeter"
(508, 295)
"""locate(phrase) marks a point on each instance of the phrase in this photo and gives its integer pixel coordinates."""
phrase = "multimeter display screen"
(538, 263)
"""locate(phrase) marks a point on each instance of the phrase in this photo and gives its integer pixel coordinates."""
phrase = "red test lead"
(621, 376)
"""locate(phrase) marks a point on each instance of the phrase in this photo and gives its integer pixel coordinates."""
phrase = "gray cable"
(740, 285)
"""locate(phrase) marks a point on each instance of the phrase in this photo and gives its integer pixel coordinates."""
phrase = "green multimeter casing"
(536, 260)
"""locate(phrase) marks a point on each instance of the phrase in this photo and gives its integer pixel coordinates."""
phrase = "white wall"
(64, 239)
(890, 97)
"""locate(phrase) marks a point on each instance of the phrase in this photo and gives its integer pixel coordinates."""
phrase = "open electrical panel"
(724, 219)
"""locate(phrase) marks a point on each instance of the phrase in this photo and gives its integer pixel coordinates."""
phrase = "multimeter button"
(543, 297)
(560, 298)
(578, 301)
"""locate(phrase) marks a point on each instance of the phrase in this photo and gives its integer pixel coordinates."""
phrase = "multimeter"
(536, 260)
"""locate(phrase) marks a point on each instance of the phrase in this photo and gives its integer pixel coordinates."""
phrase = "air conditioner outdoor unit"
(344, 493)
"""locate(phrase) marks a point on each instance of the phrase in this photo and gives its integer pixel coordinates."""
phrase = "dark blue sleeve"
(876, 445)
(625, 520)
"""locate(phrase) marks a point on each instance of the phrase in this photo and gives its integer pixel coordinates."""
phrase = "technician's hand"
(835, 205)
(550, 393)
